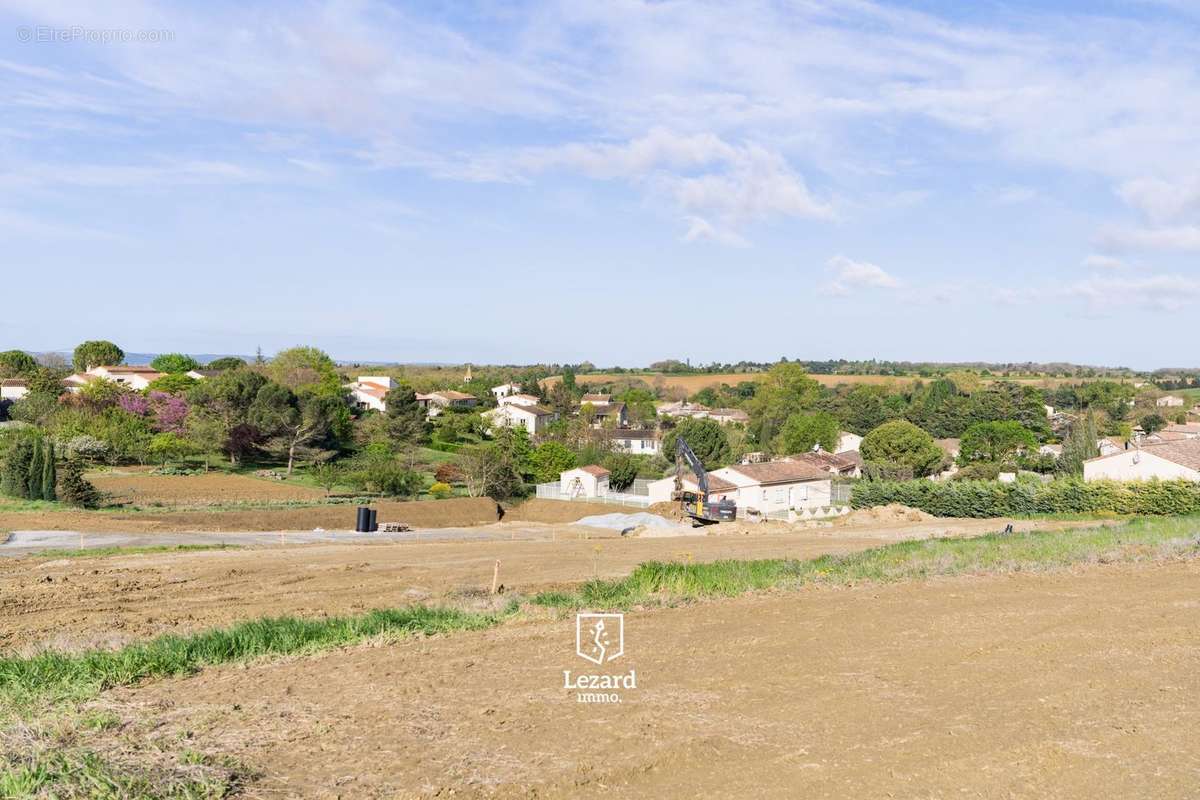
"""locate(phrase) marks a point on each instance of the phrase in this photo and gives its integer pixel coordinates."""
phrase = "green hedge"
(1062, 496)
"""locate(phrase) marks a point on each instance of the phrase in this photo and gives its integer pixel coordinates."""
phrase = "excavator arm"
(699, 507)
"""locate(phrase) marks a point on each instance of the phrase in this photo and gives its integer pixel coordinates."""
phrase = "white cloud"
(847, 275)
(1155, 292)
(1102, 262)
(1185, 238)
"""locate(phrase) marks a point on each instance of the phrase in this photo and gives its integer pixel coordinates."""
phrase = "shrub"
(902, 443)
(1063, 496)
(75, 489)
(441, 490)
(448, 473)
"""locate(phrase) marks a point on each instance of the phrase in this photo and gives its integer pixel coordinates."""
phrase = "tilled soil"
(214, 487)
(421, 513)
(81, 602)
(88, 601)
(1066, 685)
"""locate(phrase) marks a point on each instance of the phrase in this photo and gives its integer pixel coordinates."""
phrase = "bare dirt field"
(421, 513)
(141, 488)
(88, 601)
(1066, 685)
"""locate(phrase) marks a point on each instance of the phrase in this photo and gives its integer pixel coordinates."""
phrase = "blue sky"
(618, 182)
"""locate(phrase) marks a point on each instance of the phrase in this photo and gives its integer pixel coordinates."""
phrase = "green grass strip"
(1151, 538)
(98, 552)
(54, 676)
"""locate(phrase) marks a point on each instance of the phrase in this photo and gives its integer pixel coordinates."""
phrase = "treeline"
(985, 499)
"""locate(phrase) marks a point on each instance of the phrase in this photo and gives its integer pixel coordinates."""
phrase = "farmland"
(692, 383)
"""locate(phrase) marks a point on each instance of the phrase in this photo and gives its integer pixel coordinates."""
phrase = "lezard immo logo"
(600, 638)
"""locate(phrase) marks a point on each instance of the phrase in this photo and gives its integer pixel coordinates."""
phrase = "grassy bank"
(52, 676)
(1141, 539)
(100, 552)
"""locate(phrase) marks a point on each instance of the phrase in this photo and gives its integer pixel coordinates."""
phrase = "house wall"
(848, 441)
(382, 380)
(364, 400)
(644, 447)
(1136, 465)
(13, 392)
(591, 485)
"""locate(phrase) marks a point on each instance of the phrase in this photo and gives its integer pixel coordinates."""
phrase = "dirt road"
(1053, 686)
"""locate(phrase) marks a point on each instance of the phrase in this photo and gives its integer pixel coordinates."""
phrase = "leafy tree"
(291, 421)
(866, 407)
(706, 438)
(17, 364)
(802, 431)
(1152, 422)
(901, 443)
(326, 475)
(173, 383)
(166, 447)
(97, 353)
(406, 419)
(175, 363)
(622, 470)
(549, 460)
(785, 390)
(997, 442)
(101, 393)
(220, 406)
(488, 472)
(226, 362)
(300, 368)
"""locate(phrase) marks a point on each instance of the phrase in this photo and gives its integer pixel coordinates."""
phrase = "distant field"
(694, 383)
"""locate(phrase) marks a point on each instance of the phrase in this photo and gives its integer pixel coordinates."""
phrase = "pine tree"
(34, 481)
(49, 475)
(77, 490)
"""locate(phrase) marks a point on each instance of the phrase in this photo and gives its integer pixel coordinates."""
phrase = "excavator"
(697, 505)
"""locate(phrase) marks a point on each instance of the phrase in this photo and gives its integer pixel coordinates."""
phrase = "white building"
(1108, 447)
(435, 402)
(1169, 401)
(505, 390)
(647, 443)
(370, 392)
(202, 374)
(518, 400)
(589, 481)
(136, 378)
(660, 491)
(13, 389)
(1165, 461)
(533, 419)
(848, 441)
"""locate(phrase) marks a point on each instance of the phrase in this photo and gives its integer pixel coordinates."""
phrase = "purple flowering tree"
(170, 412)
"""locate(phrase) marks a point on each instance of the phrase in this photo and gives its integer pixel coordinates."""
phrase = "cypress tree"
(35, 473)
(49, 475)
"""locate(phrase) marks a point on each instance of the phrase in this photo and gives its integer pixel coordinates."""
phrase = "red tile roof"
(781, 472)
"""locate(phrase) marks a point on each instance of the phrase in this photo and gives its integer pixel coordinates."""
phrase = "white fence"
(553, 491)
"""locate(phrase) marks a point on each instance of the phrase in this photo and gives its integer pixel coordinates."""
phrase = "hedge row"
(1062, 496)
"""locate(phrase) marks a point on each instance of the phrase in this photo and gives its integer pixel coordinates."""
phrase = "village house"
(1109, 445)
(369, 392)
(637, 442)
(835, 464)
(133, 377)
(519, 400)
(13, 389)
(533, 418)
(589, 481)
(435, 402)
(505, 390)
(725, 416)
(1191, 429)
(201, 374)
(1169, 401)
(1164, 461)
(763, 488)
(614, 414)
(848, 441)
